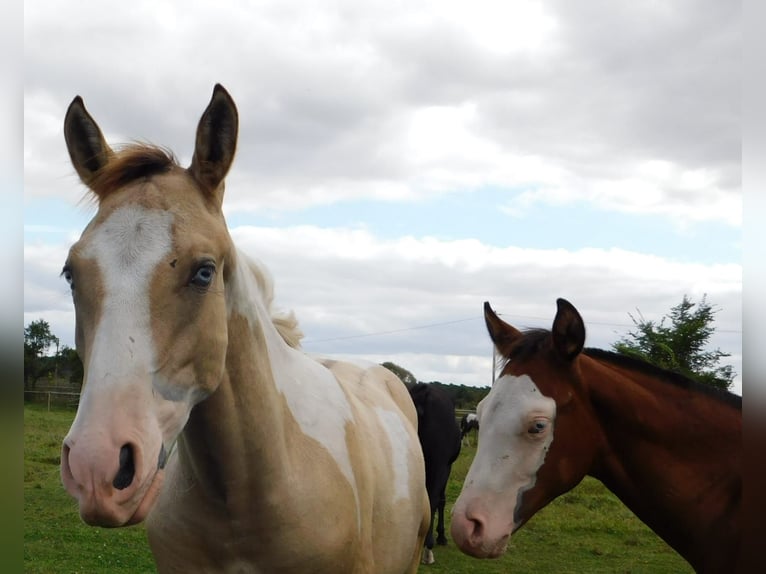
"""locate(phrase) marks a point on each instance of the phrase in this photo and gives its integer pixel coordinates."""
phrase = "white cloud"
(343, 101)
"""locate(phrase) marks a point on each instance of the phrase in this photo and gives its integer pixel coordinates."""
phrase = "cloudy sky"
(400, 163)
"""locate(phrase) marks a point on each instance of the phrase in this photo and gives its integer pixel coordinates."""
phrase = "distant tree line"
(463, 396)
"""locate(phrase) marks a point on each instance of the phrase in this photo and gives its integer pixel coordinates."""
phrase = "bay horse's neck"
(672, 454)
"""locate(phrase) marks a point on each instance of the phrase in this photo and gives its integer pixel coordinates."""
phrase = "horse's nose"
(127, 469)
(103, 478)
(468, 530)
(474, 530)
(123, 478)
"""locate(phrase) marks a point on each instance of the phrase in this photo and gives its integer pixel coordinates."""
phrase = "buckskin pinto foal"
(282, 464)
(669, 448)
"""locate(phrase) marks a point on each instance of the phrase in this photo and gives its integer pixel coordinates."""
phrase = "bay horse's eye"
(203, 277)
(537, 427)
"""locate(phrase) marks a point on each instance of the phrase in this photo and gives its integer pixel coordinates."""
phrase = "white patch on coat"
(399, 438)
(311, 391)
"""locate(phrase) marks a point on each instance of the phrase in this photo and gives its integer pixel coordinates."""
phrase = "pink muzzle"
(113, 481)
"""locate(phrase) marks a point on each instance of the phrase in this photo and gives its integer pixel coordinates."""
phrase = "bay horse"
(282, 463)
(669, 448)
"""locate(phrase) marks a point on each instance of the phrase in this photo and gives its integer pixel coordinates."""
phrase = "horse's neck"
(668, 452)
(246, 417)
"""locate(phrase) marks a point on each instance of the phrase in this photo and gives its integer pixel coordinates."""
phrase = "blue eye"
(66, 273)
(203, 277)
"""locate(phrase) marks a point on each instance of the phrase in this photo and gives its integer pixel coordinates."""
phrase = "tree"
(407, 377)
(70, 365)
(680, 346)
(38, 339)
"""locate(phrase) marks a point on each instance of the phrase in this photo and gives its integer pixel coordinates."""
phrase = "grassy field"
(586, 531)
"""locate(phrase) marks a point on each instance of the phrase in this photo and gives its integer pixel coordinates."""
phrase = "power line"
(402, 330)
(455, 321)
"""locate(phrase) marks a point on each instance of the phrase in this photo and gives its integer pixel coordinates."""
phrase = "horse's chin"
(95, 514)
(149, 500)
(494, 549)
(486, 549)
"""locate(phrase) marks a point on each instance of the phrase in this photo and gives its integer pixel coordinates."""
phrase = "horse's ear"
(502, 334)
(568, 330)
(216, 142)
(85, 142)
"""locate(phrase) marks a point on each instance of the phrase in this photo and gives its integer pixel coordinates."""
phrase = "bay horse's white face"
(147, 281)
(509, 479)
(515, 432)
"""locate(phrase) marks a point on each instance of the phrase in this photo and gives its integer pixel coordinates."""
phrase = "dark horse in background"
(440, 438)
(668, 447)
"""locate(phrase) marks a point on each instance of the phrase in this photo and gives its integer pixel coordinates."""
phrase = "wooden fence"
(50, 398)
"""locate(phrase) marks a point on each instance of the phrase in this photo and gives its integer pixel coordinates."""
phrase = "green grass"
(56, 541)
(585, 531)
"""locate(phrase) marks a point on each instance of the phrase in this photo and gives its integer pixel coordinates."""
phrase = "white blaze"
(127, 247)
(508, 456)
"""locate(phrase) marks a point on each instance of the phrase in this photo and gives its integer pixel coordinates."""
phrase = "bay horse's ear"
(216, 142)
(568, 330)
(502, 334)
(87, 147)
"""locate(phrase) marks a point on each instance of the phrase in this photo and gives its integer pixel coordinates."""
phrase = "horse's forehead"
(538, 370)
(148, 216)
(514, 396)
(131, 236)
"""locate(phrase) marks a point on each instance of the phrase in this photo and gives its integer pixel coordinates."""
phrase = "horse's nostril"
(66, 471)
(127, 468)
(476, 531)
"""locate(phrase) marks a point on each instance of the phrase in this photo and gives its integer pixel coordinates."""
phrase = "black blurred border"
(754, 286)
(11, 308)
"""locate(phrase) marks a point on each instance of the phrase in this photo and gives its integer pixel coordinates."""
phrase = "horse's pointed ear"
(502, 334)
(85, 142)
(568, 330)
(216, 142)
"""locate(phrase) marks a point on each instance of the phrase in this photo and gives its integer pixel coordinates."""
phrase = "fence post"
(49, 401)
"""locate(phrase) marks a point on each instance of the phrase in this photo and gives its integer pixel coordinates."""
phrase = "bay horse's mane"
(534, 339)
(140, 160)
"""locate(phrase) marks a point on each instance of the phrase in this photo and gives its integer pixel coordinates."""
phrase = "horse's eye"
(537, 427)
(66, 273)
(203, 277)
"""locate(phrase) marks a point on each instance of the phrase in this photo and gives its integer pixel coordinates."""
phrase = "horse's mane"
(534, 339)
(673, 377)
(285, 322)
(130, 163)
